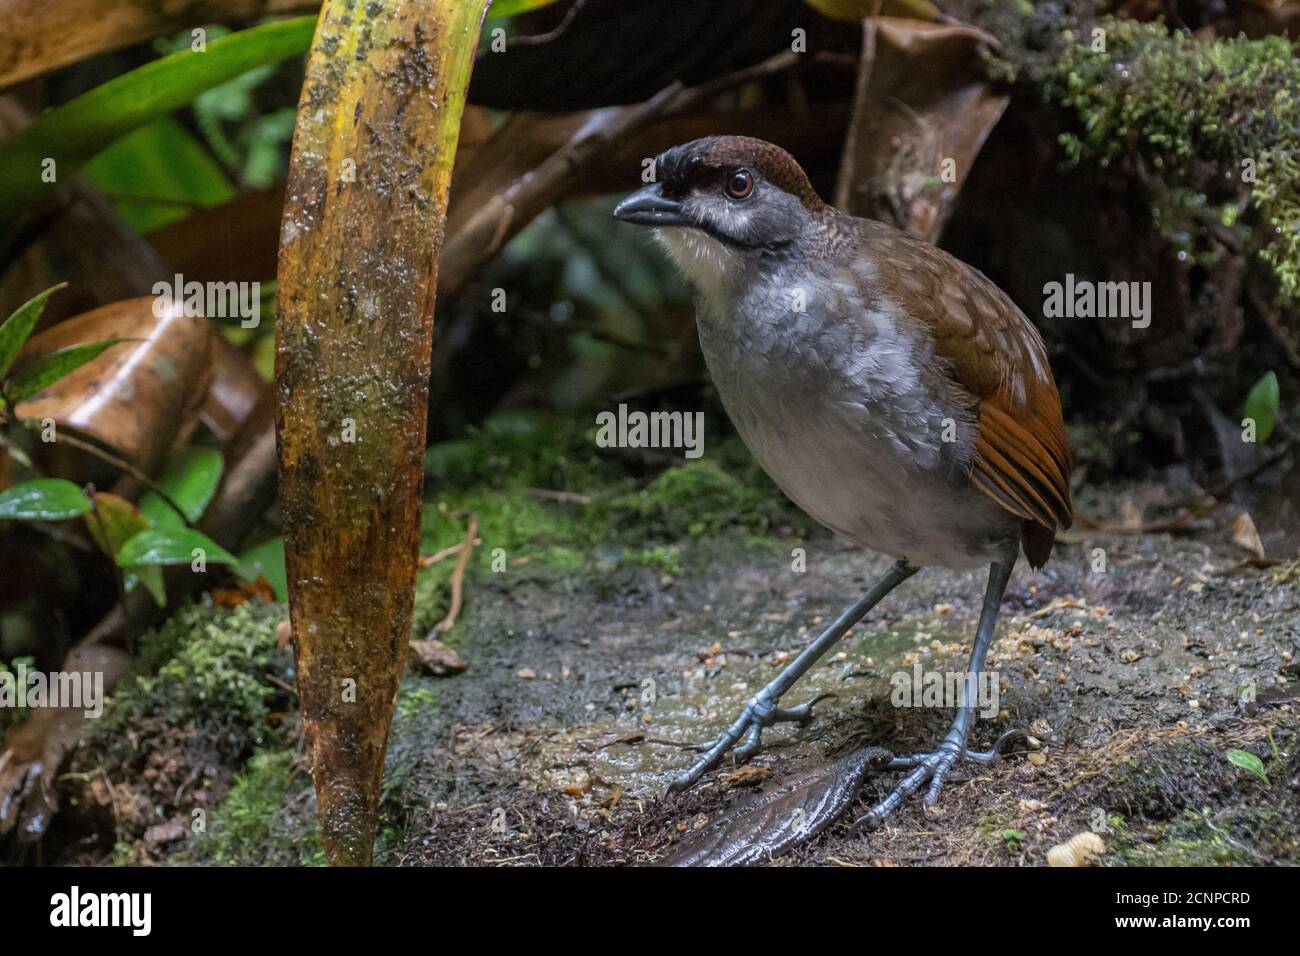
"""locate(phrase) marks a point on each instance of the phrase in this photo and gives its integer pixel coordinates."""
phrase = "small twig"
(1172, 525)
(1268, 461)
(458, 578)
(433, 559)
(691, 97)
(282, 684)
(85, 777)
(1216, 499)
(549, 35)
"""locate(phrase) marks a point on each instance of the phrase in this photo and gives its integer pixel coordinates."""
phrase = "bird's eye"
(740, 184)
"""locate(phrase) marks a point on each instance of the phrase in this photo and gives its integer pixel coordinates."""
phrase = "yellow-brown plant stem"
(360, 237)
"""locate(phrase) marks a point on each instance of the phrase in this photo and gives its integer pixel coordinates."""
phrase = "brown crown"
(702, 159)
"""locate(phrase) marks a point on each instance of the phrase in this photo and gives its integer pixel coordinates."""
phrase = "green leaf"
(114, 521)
(501, 9)
(159, 513)
(79, 129)
(48, 369)
(267, 559)
(157, 174)
(1248, 761)
(171, 546)
(45, 499)
(18, 326)
(1262, 405)
(151, 576)
(190, 478)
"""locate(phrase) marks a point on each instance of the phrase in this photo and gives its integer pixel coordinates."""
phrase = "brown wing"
(1022, 455)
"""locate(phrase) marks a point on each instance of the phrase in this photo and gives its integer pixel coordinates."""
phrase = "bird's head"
(720, 201)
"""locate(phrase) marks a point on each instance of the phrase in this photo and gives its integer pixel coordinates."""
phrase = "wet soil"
(1137, 663)
(1136, 682)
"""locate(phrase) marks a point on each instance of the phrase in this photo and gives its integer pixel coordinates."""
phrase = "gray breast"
(842, 414)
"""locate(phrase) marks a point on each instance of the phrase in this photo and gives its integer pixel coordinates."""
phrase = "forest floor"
(587, 677)
(1132, 680)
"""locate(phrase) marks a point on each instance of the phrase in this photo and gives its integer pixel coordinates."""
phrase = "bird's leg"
(762, 711)
(934, 767)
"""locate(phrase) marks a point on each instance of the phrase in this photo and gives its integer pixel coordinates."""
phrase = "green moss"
(1178, 103)
(699, 499)
(1163, 782)
(519, 450)
(550, 508)
(254, 825)
(269, 817)
(206, 669)
(412, 700)
(1181, 803)
(531, 538)
(660, 558)
(1277, 195)
(1245, 836)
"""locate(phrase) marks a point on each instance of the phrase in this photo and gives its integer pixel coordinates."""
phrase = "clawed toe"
(932, 768)
(745, 736)
(801, 714)
(751, 745)
(992, 755)
(999, 748)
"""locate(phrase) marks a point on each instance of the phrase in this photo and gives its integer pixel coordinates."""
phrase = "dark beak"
(650, 207)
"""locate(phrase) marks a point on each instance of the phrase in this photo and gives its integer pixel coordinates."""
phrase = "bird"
(892, 391)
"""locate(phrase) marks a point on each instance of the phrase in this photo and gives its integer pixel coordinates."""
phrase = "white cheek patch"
(735, 219)
(704, 261)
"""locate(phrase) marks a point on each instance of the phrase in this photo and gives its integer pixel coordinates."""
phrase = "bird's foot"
(761, 711)
(932, 768)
